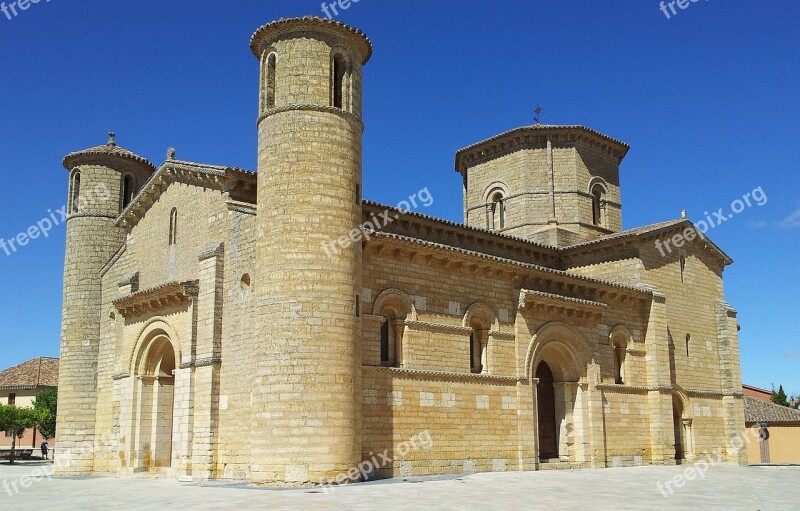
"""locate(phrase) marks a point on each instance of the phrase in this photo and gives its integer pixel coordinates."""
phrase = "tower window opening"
(173, 226)
(338, 80)
(127, 190)
(688, 339)
(597, 205)
(498, 212)
(270, 80)
(76, 192)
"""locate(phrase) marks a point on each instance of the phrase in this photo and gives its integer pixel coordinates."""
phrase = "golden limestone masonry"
(207, 334)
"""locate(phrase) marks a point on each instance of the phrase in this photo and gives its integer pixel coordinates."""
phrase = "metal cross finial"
(111, 140)
(538, 113)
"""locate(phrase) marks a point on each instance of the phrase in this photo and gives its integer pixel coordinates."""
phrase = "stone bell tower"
(102, 181)
(307, 384)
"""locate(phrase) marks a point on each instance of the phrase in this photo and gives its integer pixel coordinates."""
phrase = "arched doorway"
(546, 408)
(155, 399)
(677, 424)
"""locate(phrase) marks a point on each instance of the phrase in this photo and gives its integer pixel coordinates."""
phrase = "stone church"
(207, 334)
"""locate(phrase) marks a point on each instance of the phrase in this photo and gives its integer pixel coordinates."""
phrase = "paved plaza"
(725, 487)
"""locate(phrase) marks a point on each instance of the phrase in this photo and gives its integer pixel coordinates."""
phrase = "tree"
(779, 397)
(46, 403)
(16, 421)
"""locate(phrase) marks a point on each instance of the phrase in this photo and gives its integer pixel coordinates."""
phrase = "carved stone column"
(688, 443)
(398, 326)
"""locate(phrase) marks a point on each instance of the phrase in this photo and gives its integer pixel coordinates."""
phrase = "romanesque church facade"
(207, 334)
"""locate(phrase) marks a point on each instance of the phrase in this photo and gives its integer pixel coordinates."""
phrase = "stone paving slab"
(724, 487)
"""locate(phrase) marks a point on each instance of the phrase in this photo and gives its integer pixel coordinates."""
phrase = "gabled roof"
(650, 231)
(36, 373)
(756, 411)
(215, 176)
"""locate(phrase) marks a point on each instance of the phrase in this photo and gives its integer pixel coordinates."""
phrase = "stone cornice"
(717, 393)
(275, 30)
(454, 258)
(420, 374)
(429, 326)
(610, 244)
(72, 216)
(156, 298)
(632, 389)
(351, 118)
(201, 362)
(499, 334)
(553, 303)
(106, 155)
(534, 137)
(241, 207)
(215, 250)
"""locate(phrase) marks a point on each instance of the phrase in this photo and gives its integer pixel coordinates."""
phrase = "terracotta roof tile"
(756, 410)
(39, 372)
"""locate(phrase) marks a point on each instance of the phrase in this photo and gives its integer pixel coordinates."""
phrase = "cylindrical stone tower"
(102, 181)
(306, 396)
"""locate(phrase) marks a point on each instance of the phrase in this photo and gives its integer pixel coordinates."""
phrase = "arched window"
(597, 205)
(76, 192)
(498, 212)
(272, 63)
(619, 361)
(127, 190)
(339, 69)
(173, 226)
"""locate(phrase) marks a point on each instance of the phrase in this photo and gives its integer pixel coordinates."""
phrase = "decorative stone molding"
(349, 117)
(157, 298)
(535, 137)
(113, 260)
(429, 326)
(421, 374)
(499, 334)
(553, 303)
(633, 389)
(267, 34)
(213, 251)
(241, 207)
(715, 393)
(120, 376)
(130, 280)
(200, 362)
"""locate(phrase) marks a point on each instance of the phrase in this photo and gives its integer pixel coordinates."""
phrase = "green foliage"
(46, 403)
(17, 420)
(779, 397)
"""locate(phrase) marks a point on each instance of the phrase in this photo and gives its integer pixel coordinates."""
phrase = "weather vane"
(538, 113)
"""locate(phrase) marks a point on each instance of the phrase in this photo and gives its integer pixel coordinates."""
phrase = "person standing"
(45, 448)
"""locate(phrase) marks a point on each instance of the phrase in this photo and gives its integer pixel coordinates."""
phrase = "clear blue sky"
(708, 101)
